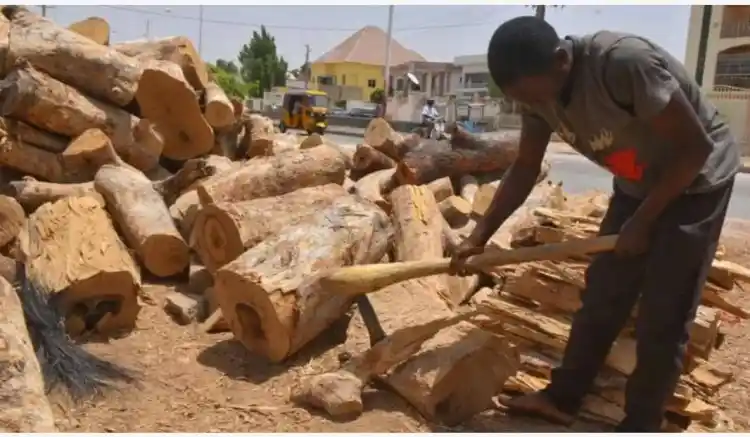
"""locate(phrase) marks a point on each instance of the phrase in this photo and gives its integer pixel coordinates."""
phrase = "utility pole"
(200, 29)
(387, 69)
(307, 65)
(44, 9)
(148, 29)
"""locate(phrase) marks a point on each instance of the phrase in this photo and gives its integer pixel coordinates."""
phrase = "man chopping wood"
(626, 104)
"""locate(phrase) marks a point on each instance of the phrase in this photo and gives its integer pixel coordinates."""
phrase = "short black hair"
(522, 46)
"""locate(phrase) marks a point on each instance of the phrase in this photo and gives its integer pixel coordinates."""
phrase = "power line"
(282, 26)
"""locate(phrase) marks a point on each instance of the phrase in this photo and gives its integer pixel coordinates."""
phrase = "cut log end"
(220, 239)
(165, 255)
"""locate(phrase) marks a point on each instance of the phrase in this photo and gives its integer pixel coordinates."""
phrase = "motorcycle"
(438, 130)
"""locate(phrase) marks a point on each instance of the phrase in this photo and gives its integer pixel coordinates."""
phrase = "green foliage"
(376, 96)
(494, 90)
(226, 75)
(259, 62)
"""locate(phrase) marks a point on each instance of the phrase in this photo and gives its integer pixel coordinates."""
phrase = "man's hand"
(469, 247)
(634, 237)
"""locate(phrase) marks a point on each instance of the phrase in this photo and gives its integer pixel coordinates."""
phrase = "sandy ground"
(192, 382)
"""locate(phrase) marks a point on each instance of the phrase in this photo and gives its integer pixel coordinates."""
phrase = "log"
(4, 43)
(267, 295)
(469, 187)
(259, 136)
(192, 171)
(219, 110)
(455, 210)
(143, 218)
(441, 189)
(25, 133)
(94, 28)
(276, 175)
(312, 140)
(367, 160)
(467, 366)
(54, 106)
(374, 185)
(25, 405)
(18, 155)
(171, 104)
(222, 232)
(9, 269)
(86, 154)
(96, 70)
(32, 194)
(227, 140)
(423, 166)
(177, 49)
(72, 251)
(12, 218)
(380, 135)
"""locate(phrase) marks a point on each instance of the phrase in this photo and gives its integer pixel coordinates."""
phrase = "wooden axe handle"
(356, 280)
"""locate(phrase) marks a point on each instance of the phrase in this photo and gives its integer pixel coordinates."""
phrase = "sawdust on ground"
(192, 382)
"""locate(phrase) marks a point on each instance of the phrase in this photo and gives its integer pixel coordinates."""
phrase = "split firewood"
(96, 70)
(39, 99)
(441, 188)
(260, 290)
(71, 249)
(259, 137)
(28, 159)
(27, 134)
(143, 218)
(26, 408)
(177, 49)
(94, 28)
(367, 160)
(86, 154)
(32, 194)
(423, 166)
(374, 186)
(222, 232)
(219, 111)
(12, 218)
(276, 175)
(171, 104)
(455, 210)
(380, 135)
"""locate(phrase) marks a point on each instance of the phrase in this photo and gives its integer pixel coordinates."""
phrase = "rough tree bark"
(12, 218)
(32, 194)
(367, 159)
(219, 110)
(268, 295)
(25, 133)
(18, 155)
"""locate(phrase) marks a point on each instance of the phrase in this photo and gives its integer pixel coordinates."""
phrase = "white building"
(474, 78)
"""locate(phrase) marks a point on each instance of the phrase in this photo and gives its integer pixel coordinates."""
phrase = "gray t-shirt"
(620, 82)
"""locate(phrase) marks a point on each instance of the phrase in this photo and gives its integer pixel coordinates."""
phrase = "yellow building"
(354, 69)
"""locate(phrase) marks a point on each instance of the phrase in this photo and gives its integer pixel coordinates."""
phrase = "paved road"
(579, 175)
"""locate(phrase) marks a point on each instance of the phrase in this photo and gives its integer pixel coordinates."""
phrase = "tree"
(376, 96)
(228, 66)
(230, 81)
(259, 62)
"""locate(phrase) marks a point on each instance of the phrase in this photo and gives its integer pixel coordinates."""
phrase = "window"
(326, 80)
(372, 83)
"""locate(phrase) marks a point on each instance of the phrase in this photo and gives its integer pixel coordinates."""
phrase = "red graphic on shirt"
(624, 163)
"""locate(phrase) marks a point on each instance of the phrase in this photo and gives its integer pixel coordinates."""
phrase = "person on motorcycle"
(429, 115)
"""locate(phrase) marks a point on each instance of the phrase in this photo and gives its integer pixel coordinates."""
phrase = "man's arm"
(638, 77)
(519, 179)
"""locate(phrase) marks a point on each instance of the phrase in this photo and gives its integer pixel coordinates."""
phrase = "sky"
(439, 33)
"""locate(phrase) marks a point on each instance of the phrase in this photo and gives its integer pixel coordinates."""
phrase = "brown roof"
(367, 46)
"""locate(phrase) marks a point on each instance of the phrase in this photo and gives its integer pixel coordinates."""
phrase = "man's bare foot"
(538, 404)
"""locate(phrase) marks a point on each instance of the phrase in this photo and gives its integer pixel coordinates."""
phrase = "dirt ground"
(192, 382)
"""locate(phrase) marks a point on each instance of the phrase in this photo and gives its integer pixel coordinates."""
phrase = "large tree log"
(12, 218)
(268, 296)
(97, 70)
(94, 28)
(373, 187)
(52, 105)
(259, 136)
(28, 159)
(423, 166)
(32, 194)
(25, 404)
(72, 251)
(177, 49)
(367, 159)
(86, 154)
(222, 232)
(273, 176)
(143, 218)
(455, 374)
(25, 133)
(380, 135)
(219, 110)
(171, 104)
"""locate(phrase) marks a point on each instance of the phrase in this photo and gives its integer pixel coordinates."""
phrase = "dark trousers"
(668, 279)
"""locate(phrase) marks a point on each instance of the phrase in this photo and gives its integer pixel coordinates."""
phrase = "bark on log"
(171, 104)
(86, 154)
(52, 105)
(25, 404)
(423, 166)
(373, 187)
(193, 171)
(25, 133)
(177, 49)
(94, 28)
(467, 366)
(9, 269)
(227, 140)
(441, 189)
(71, 250)
(143, 218)
(12, 218)
(267, 295)
(222, 232)
(380, 135)
(96, 70)
(32, 194)
(258, 138)
(219, 110)
(28, 159)
(273, 176)
(367, 160)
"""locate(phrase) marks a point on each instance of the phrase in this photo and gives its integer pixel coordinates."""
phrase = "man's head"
(526, 60)
(430, 102)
